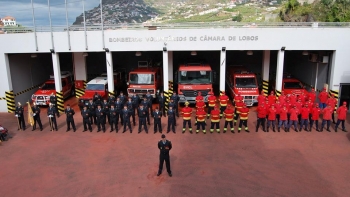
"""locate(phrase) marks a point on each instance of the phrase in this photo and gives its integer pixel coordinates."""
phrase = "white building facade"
(9, 21)
(167, 40)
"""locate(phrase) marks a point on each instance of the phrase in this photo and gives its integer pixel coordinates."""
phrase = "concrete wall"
(234, 39)
(27, 72)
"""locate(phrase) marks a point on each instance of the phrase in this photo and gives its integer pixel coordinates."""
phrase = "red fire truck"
(292, 85)
(42, 96)
(240, 81)
(99, 85)
(193, 78)
(145, 78)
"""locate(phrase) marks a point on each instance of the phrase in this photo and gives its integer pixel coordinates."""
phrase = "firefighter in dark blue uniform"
(126, 118)
(105, 107)
(122, 97)
(119, 107)
(85, 113)
(51, 111)
(92, 110)
(164, 146)
(145, 104)
(131, 109)
(161, 101)
(111, 99)
(20, 118)
(53, 100)
(149, 98)
(100, 119)
(176, 100)
(136, 100)
(36, 116)
(97, 97)
(69, 118)
(142, 113)
(171, 119)
(172, 104)
(113, 116)
(157, 115)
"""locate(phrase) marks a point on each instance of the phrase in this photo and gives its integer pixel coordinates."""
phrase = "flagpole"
(48, 3)
(35, 38)
(86, 46)
(69, 46)
(102, 26)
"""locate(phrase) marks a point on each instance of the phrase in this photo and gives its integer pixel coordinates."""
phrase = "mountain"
(119, 11)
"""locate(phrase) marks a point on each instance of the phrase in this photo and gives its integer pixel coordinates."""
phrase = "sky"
(22, 11)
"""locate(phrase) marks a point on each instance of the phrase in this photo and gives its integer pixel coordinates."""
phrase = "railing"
(155, 26)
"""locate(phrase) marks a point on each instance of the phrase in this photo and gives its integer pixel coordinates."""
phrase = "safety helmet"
(187, 103)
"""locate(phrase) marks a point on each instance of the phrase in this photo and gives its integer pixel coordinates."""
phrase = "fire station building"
(316, 53)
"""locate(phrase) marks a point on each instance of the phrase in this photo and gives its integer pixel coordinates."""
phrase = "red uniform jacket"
(278, 107)
(282, 99)
(304, 113)
(323, 96)
(299, 105)
(211, 100)
(303, 98)
(272, 99)
(199, 98)
(261, 111)
(342, 111)
(215, 115)
(238, 98)
(327, 113)
(229, 113)
(315, 113)
(239, 106)
(201, 116)
(332, 102)
(272, 114)
(294, 114)
(186, 111)
(283, 114)
(261, 99)
(312, 97)
(223, 100)
(200, 104)
(310, 105)
(288, 105)
(244, 113)
(292, 99)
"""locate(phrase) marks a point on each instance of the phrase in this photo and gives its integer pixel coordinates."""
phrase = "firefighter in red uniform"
(293, 98)
(215, 120)
(200, 118)
(322, 97)
(223, 99)
(199, 97)
(282, 98)
(271, 118)
(239, 105)
(278, 107)
(283, 118)
(342, 111)
(272, 98)
(243, 118)
(315, 115)
(327, 115)
(186, 113)
(288, 106)
(238, 97)
(200, 105)
(294, 112)
(299, 105)
(312, 96)
(261, 110)
(332, 102)
(310, 105)
(211, 103)
(305, 111)
(303, 97)
(228, 114)
(261, 98)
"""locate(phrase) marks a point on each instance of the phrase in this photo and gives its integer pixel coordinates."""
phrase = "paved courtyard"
(44, 163)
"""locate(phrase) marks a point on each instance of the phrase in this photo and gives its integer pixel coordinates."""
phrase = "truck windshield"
(195, 77)
(246, 82)
(48, 86)
(141, 79)
(95, 87)
(293, 85)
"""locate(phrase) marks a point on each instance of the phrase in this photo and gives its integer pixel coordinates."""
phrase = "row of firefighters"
(288, 111)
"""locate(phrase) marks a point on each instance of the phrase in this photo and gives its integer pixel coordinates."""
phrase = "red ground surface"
(43, 163)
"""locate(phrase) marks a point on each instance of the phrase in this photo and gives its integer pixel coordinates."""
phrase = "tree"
(237, 18)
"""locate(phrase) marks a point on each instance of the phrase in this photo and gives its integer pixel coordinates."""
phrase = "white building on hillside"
(9, 21)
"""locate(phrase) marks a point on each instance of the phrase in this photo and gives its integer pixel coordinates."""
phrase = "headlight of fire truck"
(33, 96)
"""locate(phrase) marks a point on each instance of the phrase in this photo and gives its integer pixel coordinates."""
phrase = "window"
(245, 82)
(195, 77)
(100, 87)
(48, 86)
(293, 85)
(141, 79)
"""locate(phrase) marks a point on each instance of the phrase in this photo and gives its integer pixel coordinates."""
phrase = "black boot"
(267, 130)
(278, 129)
(336, 129)
(256, 130)
(273, 129)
